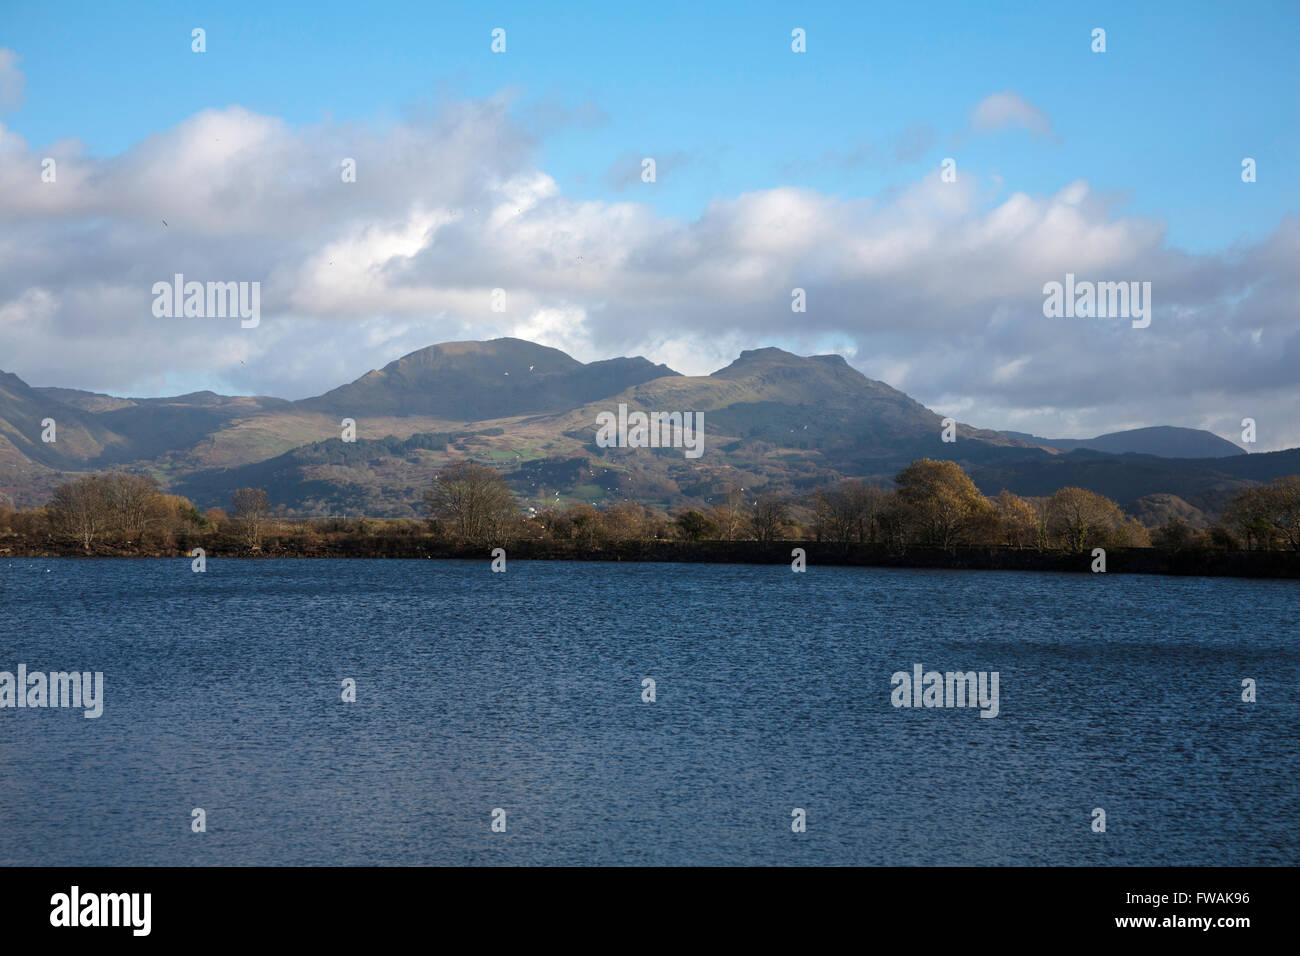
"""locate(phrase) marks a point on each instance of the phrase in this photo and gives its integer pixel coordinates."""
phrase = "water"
(522, 691)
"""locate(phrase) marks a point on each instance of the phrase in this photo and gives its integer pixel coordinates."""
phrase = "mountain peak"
(478, 381)
(500, 354)
(767, 354)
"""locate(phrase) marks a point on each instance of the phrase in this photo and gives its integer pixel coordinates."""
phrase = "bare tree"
(769, 518)
(850, 512)
(729, 515)
(252, 508)
(624, 521)
(80, 510)
(473, 502)
(134, 503)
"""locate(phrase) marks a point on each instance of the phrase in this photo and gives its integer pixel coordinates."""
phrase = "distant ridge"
(1166, 441)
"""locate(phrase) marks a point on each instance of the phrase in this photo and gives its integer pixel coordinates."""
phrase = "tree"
(1283, 498)
(729, 515)
(694, 526)
(624, 521)
(1081, 519)
(1175, 535)
(1017, 521)
(893, 522)
(850, 512)
(939, 502)
(473, 502)
(1220, 538)
(556, 524)
(80, 510)
(1247, 514)
(252, 508)
(134, 502)
(769, 518)
(182, 514)
(586, 524)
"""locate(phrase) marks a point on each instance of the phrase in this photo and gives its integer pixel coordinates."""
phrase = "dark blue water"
(522, 691)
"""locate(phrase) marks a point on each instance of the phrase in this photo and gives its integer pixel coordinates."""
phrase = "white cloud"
(936, 288)
(1009, 110)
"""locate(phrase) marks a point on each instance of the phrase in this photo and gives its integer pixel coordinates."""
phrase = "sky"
(775, 170)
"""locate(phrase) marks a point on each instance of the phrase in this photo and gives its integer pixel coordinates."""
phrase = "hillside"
(772, 420)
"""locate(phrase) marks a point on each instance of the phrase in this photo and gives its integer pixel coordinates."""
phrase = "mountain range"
(1166, 441)
(772, 420)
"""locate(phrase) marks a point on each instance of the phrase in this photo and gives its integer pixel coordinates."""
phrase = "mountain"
(477, 381)
(769, 398)
(1167, 441)
(78, 435)
(772, 420)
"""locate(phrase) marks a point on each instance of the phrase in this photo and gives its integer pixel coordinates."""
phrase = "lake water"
(523, 691)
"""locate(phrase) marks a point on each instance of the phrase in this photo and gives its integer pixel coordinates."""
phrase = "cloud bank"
(935, 288)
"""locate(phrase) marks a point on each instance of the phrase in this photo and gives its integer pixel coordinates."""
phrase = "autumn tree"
(182, 514)
(1176, 535)
(1266, 515)
(556, 524)
(586, 524)
(625, 521)
(1246, 515)
(1081, 519)
(252, 509)
(1017, 521)
(1283, 497)
(939, 503)
(473, 502)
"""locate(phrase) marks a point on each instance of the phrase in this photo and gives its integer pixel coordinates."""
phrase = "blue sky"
(1161, 120)
(777, 170)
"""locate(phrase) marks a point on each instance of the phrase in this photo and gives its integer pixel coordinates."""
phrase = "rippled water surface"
(523, 691)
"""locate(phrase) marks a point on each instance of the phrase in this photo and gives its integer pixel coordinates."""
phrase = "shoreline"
(1183, 563)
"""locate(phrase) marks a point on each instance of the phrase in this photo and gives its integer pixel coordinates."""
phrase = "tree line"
(931, 504)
